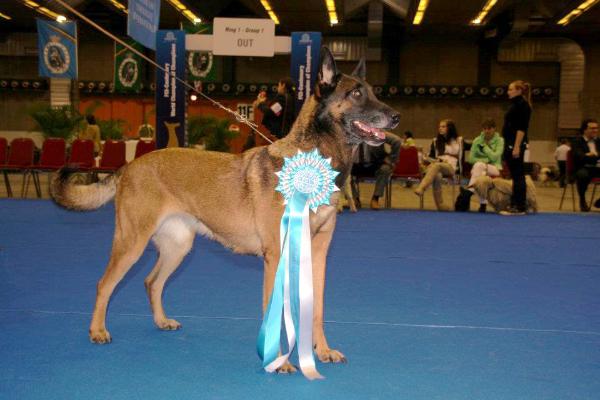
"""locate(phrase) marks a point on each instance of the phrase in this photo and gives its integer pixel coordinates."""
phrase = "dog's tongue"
(380, 134)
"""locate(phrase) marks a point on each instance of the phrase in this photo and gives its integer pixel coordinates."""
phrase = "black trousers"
(517, 172)
(583, 176)
(562, 168)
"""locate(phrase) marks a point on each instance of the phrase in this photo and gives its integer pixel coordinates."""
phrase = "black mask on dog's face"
(350, 100)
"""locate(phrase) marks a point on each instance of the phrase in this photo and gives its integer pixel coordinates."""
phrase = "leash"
(238, 117)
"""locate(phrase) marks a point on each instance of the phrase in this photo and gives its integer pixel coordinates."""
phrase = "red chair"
(82, 155)
(407, 169)
(570, 171)
(113, 157)
(142, 147)
(3, 146)
(20, 158)
(54, 151)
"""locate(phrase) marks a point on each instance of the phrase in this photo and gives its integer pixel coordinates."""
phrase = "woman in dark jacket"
(278, 113)
(516, 124)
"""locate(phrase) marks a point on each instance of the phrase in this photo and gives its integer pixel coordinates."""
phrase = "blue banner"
(57, 49)
(306, 48)
(170, 94)
(142, 21)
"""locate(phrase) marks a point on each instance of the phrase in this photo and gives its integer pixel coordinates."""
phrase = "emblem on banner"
(56, 56)
(200, 63)
(128, 71)
(305, 39)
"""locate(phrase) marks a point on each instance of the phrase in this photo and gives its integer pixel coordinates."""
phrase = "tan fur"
(498, 192)
(172, 194)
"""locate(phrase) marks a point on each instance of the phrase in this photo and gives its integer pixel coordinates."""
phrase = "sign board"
(306, 47)
(243, 37)
(142, 21)
(246, 110)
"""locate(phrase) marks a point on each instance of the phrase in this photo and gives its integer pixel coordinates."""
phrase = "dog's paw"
(286, 368)
(329, 355)
(168, 325)
(100, 336)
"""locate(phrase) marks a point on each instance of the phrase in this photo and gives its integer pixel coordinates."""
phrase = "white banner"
(243, 37)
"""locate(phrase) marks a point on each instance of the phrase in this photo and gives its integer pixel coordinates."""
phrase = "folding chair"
(407, 169)
(20, 158)
(52, 159)
(113, 157)
(142, 147)
(570, 181)
(82, 159)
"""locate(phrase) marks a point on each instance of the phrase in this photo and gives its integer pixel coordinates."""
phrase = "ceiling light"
(118, 5)
(182, 8)
(583, 7)
(197, 21)
(269, 10)
(5, 16)
(420, 12)
(61, 18)
(333, 18)
(484, 12)
(41, 10)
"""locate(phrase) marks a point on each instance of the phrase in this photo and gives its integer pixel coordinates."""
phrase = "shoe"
(482, 208)
(374, 204)
(513, 211)
(584, 207)
(597, 203)
(463, 201)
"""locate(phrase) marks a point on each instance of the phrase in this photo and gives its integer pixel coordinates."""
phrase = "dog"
(347, 193)
(547, 176)
(498, 192)
(169, 195)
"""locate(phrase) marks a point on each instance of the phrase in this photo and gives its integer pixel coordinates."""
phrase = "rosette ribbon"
(306, 181)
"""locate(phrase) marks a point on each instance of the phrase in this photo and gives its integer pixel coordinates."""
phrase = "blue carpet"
(425, 305)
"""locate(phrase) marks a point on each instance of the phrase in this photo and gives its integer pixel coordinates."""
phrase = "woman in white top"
(444, 158)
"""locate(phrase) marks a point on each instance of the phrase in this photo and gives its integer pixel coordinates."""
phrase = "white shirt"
(561, 152)
(591, 145)
(451, 151)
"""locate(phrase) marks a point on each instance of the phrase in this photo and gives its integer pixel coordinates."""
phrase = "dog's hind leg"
(128, 245)
(173, 240)
(320, 247)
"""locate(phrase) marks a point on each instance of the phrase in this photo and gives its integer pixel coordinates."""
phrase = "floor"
(425, 305)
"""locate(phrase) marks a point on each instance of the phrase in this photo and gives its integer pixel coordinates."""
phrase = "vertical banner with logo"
(57, 48)
(306, 48)
(201, 65)
(129, 68)
(170, 94)
(142, 21)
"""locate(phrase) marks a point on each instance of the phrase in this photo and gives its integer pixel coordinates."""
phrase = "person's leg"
(516, 167)
(562, 168)
(382, 176)
(583, 178)
(430, 174)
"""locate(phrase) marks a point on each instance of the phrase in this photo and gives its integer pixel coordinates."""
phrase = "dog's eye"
(356, 93)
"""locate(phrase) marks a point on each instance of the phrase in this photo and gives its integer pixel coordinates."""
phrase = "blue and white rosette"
(306, 181)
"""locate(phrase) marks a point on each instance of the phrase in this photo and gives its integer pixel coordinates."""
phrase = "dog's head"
(348, 103)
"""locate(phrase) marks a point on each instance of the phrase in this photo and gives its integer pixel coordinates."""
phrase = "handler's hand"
(516, 152)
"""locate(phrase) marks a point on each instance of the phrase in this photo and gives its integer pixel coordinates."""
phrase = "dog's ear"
(361, 69)
(328, 74)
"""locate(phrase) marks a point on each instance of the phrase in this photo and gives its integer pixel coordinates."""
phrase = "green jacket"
(489, 153)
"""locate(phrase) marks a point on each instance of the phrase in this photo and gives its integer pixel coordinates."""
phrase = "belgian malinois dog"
(170, 195)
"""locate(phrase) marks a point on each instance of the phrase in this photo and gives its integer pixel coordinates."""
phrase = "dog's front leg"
(320, 247)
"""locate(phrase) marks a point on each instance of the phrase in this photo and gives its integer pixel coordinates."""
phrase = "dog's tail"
(82, 197)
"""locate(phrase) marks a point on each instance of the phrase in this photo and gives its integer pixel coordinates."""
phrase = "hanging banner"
(57, 49)
(129, 68)
(201, 65)
(142, 21)
(305, 64)
(170, 94)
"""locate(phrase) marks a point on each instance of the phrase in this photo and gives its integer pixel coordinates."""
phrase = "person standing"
(91, 132)
(514, 131)
(278, 113)
(560, 155)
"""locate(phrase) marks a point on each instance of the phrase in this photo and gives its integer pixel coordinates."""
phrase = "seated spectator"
(560, 155)
(91, 132)
(444, 159)
(585, 150)
(409, 140)
(375, 161)
(486, 158)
